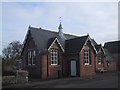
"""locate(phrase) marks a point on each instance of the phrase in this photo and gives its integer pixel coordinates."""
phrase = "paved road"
(103, 81)
(108, 82)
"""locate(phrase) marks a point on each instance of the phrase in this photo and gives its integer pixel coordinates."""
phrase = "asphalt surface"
(108, 82)
(102, 81)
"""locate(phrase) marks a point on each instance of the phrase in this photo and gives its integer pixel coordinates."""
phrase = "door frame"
(75, 67)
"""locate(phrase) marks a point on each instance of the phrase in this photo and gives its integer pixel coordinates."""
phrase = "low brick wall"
(21, 76)
(8, 80)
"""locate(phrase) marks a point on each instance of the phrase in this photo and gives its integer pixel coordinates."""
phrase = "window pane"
(29, 57)
(99, 59)
(33, 57)
(54, 57)
(86, 57)
(34, 53)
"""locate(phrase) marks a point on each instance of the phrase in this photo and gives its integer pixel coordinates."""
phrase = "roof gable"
(89, 39)
(42, 37)
(98, 46)
(70, 44)
(75, 45)
(94, 42)
(112, 47)
(52, 41)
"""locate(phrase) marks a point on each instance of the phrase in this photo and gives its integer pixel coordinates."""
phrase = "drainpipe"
(47, 65)
(62, 63)
(95, 62)
(79, 64)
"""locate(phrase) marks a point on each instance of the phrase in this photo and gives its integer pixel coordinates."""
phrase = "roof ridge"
(113, 41)
(79, 37)
(30, 28)
(42, 29)
(71, 34)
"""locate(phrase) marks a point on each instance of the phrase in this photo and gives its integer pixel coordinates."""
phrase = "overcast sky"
(99, 19)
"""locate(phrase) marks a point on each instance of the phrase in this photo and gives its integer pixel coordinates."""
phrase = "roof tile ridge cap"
(70, 34)
(112, 41)
(80, 37)
(49, 31)
(30, 28)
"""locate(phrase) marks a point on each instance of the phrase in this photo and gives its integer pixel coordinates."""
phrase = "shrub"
(8, 73)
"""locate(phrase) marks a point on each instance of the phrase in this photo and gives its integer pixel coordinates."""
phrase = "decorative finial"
(87, 34)
(29, 27)
(60, 26)
(60, 30)
(60, 20)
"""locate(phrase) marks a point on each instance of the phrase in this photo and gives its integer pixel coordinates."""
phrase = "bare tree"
(12, 51)
(10, 54)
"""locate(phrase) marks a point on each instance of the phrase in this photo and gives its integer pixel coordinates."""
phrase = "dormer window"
(54, 57)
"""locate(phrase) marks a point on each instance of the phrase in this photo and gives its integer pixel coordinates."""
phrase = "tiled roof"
(94, 42)
(71, 43)
(50, 41)
(113, 47)
(75, 45)
(43, 37)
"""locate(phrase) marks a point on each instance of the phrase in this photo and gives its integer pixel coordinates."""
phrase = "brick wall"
(98, 65)
(48, 70)
(34, 71)
(68, 58)
(87, 70)
(112, 66)
(44, 66)
(104, 63)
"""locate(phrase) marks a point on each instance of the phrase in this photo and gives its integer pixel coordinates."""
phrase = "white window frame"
(99, 60)
(86, 57)
(29, 57)
(33, 55)
(54, 56)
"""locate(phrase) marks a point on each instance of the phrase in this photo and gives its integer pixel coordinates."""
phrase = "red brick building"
(48, 54)
(100, 57)
(112, 50)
